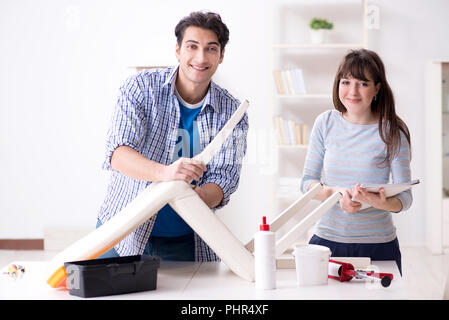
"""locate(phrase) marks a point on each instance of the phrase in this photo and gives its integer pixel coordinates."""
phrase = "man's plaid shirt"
(146, 118)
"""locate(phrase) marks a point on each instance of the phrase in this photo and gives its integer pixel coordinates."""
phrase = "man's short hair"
(206, 20)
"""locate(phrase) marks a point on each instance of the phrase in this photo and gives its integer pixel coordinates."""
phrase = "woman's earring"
(375, 97)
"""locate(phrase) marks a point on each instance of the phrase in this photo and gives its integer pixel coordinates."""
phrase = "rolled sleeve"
(224, 169)
(228, 186)
(128, 125)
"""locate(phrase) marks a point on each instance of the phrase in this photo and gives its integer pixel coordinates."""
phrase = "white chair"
(186, 202)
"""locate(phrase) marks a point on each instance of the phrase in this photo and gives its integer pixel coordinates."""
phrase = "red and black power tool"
(346, 272)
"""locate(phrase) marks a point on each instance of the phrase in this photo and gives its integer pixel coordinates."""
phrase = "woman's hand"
(376, 200)
(346, 203)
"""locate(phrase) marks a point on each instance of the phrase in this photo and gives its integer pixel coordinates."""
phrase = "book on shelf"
(289, 132)
(289, 82)
(304, 133)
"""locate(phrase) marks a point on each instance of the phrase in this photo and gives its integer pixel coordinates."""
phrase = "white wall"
(61, 63)
(411, 33)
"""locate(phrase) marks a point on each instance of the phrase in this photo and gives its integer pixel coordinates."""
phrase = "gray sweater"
(341, 154)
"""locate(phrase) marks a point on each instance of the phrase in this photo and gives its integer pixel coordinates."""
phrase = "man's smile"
(199, 68)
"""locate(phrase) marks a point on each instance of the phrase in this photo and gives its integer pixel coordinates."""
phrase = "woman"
(361, 141)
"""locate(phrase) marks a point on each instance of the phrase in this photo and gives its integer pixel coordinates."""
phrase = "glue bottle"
(265, 257)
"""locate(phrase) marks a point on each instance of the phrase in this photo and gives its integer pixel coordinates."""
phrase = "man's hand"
(131, 163)
(210, 193)
(186, 169)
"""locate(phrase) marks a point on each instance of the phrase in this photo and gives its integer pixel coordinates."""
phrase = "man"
(163, 118)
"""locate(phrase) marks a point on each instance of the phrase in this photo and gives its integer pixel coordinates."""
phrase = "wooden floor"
(425, 274)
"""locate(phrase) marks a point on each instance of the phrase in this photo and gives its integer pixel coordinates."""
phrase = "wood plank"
(22, 244)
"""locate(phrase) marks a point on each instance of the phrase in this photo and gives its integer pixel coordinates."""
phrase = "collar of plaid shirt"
(210, 98)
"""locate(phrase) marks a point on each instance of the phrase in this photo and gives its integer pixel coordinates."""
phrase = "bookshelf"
(437, 155)
(291, 49)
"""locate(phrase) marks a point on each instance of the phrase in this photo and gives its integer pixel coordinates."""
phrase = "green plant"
(319, 23)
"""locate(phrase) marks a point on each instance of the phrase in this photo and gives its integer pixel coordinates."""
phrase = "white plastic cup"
(312, 264)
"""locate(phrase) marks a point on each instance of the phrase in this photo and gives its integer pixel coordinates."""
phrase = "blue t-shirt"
(168, 222)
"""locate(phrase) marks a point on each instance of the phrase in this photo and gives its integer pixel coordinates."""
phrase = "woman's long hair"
(357, 63)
